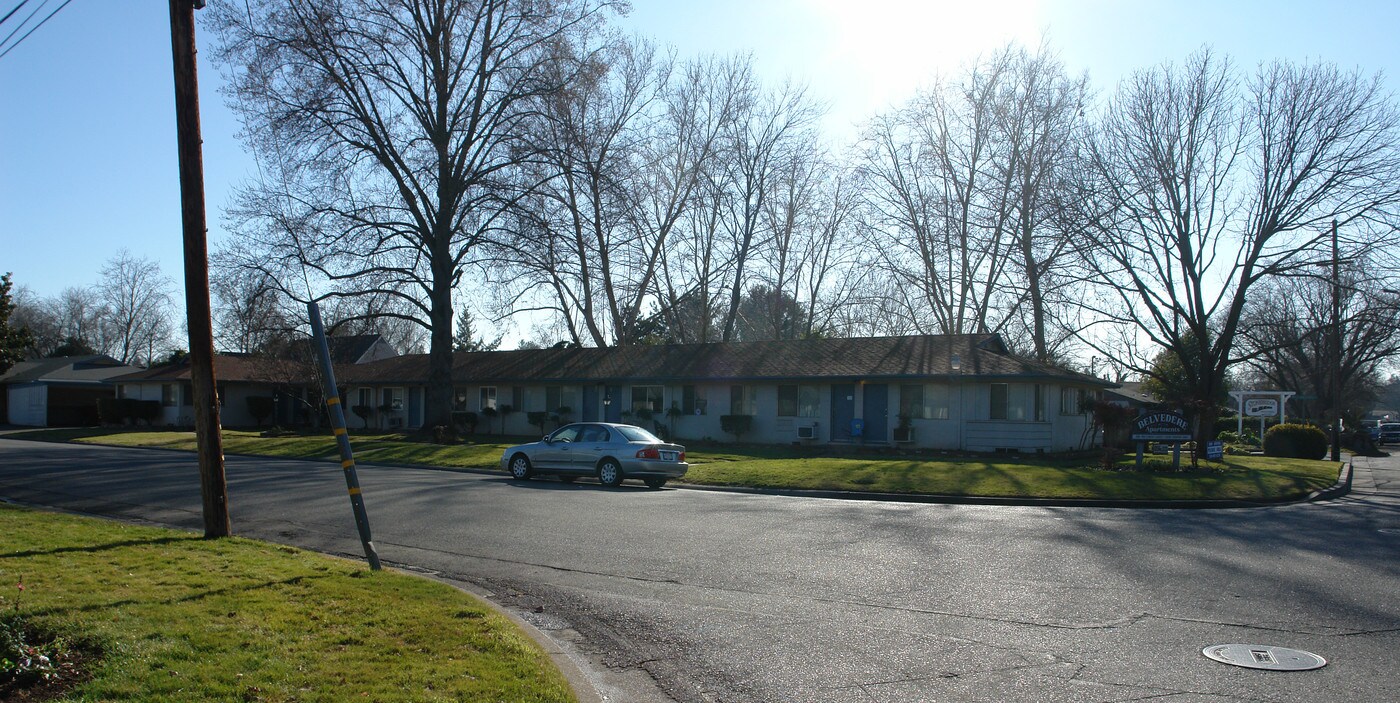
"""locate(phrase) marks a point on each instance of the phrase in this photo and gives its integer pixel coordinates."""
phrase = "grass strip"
(179, 618)
(1248, 478)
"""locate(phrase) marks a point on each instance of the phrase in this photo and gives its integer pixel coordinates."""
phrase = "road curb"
(1336, 490)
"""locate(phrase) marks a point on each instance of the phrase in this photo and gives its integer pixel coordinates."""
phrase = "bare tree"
(1287, 342)
(391, 133)
(136, 301)
(1206, 188)
(249, 314)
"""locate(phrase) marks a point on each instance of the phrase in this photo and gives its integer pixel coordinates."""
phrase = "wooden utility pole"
(212, 483)
(1336, 347)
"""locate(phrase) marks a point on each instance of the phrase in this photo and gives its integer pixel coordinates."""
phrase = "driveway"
(699, 596)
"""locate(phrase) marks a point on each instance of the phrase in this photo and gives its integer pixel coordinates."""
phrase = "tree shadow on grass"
(94, 548)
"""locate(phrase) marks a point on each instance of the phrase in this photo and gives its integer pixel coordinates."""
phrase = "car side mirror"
(546, 440)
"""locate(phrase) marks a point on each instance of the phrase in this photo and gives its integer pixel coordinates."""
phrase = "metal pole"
(337, 414)
(212, 482)
(1336, 348)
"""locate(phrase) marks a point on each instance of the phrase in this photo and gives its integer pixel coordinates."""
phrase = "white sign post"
(1260, 404)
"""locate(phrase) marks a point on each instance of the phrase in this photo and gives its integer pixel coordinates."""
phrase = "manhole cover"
(1258, 656)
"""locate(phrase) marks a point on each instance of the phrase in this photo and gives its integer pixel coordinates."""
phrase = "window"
(743, 400)
(1069, 401)
(911, 401)
(798, 401)
(809, 401)
(556, 397)
(787, 401)
(366, 397)
(121, 390)
(488, 397)
(693, 400)
(391, 399)
(517, 397)
(1000, 402)
(924, 402)
(646, 398)
(167, 395)
(1040, 402)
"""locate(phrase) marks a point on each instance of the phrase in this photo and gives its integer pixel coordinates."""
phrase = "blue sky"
(87, 129)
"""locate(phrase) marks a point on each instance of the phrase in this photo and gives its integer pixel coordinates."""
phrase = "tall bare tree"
(137, 303)
(391, 133)
(1208, 186)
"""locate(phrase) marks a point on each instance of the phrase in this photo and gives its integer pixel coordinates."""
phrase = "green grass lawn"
(177, 618)
(1235, 478)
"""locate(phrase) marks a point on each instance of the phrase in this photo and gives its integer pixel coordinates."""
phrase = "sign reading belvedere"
(1161, 427)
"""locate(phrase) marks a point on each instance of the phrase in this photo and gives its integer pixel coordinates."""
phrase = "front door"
(415, 406)
(590, 404)
(843, 410)
(877, 412)
(614, 409)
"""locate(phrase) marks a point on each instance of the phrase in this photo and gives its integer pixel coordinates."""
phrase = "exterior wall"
(233, 411)
(28, 404)
(968, 425)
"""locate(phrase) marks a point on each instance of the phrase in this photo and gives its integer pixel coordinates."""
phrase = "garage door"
(28, 405)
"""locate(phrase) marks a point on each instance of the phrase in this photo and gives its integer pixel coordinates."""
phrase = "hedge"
(1295, 442)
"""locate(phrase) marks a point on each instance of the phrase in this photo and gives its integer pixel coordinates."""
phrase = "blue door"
(415, 406)
(843, 410)
(590, 404)
(613, 411)
(877, 412)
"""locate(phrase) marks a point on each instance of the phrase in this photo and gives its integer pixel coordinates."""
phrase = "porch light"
(607, 400)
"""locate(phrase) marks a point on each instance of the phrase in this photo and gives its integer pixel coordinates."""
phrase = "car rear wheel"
(655, 481)
(610, 473)
(520, 467)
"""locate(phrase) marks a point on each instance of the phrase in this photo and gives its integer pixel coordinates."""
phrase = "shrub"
(1295, 441)
(490, 414)
(109, 411)
(465, 421)
(537, 418)
(1232, 437)
(363, 412)
(146, 410)
(737, 425)
(260, 407)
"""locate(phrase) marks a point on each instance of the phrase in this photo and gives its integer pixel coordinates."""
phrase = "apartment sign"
(1161, 427)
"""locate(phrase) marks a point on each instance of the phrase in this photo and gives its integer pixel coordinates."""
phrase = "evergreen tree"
(12, 341)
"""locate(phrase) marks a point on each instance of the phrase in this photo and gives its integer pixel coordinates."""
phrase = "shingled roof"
(231, 368)
(91, 369)
(865, 358)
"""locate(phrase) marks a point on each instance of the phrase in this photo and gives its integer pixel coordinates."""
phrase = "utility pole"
(1336, 348)
(212, 482)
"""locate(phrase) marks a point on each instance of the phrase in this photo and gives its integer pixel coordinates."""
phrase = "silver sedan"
(609, 451)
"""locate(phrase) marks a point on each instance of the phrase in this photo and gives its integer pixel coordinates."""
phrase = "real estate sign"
(1161, 427)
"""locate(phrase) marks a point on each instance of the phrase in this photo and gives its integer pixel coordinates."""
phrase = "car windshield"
(637, 434)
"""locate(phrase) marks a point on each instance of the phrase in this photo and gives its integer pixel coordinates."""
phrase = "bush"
(260, 407)
(737, 425)
(1295, 442)
(537, 418)
(147, 411)
(1232, 437)
(363, 412)
(465, 421)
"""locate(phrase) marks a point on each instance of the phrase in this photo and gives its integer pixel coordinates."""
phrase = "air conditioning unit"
(808, 432)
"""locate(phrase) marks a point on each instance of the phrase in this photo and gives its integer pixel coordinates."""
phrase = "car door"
(557, 451)
(592, 445)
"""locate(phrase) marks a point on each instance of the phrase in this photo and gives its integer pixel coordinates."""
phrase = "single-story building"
(956, 392)
(289, 382)
(62, 391)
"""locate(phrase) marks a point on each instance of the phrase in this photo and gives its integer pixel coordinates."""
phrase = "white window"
(167, 395)
(1040, 402)
(743, 400)
(366, 397)
(924, 402)
(647, 398)
(556, 397)
(391, 399)
(1069, 401)
(488, 397)
(1000, 405)
(693, 400)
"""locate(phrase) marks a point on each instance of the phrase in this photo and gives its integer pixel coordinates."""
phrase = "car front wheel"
(520, 467)
(610, 473)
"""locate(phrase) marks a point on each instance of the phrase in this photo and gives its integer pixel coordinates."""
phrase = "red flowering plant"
(26, 655)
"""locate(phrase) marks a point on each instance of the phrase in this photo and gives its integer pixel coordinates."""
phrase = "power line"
(22, 3)
(31, 31)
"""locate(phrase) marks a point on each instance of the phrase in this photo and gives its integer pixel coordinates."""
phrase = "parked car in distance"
(1390, 433)
(1373, 428)
(609, 451)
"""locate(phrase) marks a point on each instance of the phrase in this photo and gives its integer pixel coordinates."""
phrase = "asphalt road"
(699, 596)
